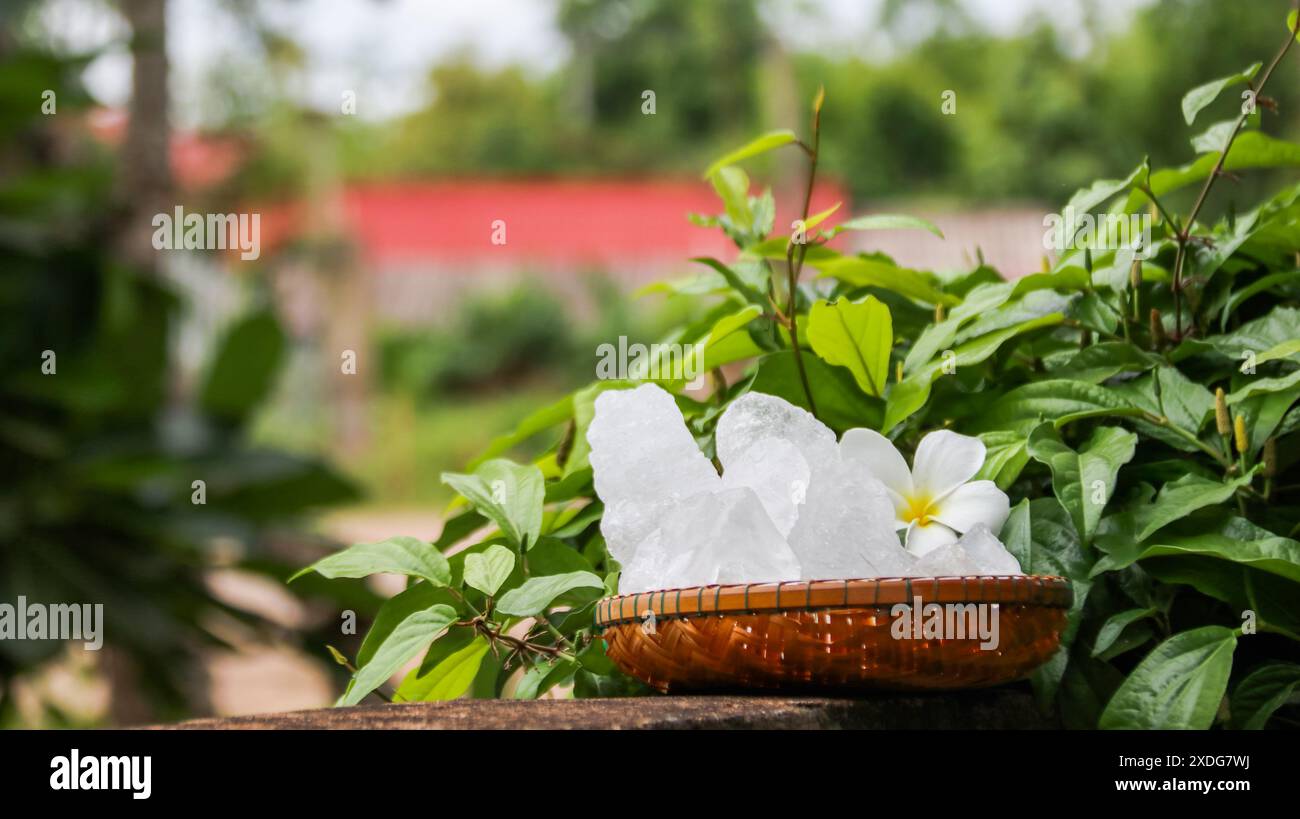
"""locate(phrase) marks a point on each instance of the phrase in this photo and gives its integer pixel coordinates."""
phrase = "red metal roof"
(548, 222)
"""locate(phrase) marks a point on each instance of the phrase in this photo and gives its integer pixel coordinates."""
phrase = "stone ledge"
(1006, 708)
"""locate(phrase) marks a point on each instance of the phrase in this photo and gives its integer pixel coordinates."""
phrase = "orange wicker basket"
(833, 634)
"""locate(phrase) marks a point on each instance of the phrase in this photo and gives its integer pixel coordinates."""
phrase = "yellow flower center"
(918, 509)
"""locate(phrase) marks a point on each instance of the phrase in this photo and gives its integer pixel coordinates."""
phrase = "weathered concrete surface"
(995, 709)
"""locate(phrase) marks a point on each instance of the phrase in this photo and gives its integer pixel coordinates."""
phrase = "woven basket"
(829, 635)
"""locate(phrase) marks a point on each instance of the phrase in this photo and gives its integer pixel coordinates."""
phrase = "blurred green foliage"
(101, 449)
(1034, 119)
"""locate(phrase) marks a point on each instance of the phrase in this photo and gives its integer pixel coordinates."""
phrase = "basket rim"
(820, 595)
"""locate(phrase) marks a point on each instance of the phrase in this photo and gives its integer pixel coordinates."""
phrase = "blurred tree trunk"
(143, 188)
(144, 184)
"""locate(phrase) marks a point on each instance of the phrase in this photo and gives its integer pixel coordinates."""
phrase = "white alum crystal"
(645, 461)
(987, 552)
(779, 476)
(792, 503)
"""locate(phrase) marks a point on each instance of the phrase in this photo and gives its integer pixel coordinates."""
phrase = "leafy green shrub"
(492, 338)
(1137, 407)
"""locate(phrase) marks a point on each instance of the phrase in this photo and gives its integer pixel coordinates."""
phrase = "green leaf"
(1095, 312)
(541, 678)
(857, 335)
(1239, 297)
(397, 608)
(1262, 692)
(1247, 545)
(1264, 412)
(734, 280)
(761, 144)
(1103, 190)
(1098, 362)
(821, 216)
(1178, 685)
(551, 557)
(1114, 627)
(1043, 539)
(487, 570)
(885, 221)
(1005, 456)
(1256, 336)
(1261, 386)
(448, 679)
(1215, 138)
(1083, 481)
(728, 341)
(840, 404)
(861, 271)
(1203, 95)
(1180, 498)
(732, 186)
(979, 301)
(1252, 149)
(242, 373)
(1061, 400)
(406, 639)
(397, 555)
(1184, 402)
(574, 522)
(538, 592)
(909, 395)
(509, 494)
(1286, 349)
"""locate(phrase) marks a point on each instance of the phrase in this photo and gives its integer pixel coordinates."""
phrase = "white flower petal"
(971, 504)
(944, 461)
(927, 538)
(877, 454)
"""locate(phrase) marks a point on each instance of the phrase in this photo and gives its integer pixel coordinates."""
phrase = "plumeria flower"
(932, 500)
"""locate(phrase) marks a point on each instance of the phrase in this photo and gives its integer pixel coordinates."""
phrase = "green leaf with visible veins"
(448, 679)
(1114, 627)
(397, 555)
(1203, 95)
(508, 493)
(539, 592)
(910, 394)
(857, 335)
(1178, 685)
(407, 639)
(1264, 690)
(1268, 552)
(1178, 499)
(487, 570)
(1083, 481)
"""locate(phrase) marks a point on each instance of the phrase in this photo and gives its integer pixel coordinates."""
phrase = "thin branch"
(794, 266)
(1184, 234)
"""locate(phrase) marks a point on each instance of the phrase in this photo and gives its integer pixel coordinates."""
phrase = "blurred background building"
(467, 198)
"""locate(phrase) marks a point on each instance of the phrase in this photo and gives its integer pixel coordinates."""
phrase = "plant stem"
(794, 266)
(1184, 234)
